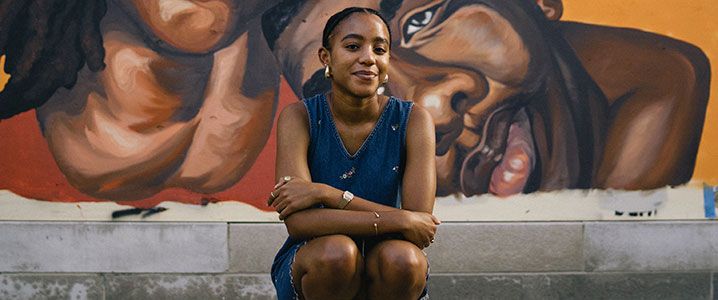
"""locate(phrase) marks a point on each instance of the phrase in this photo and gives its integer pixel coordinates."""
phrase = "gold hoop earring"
(327, 73)
(386, 79)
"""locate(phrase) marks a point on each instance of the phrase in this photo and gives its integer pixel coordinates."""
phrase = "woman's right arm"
(315, 222)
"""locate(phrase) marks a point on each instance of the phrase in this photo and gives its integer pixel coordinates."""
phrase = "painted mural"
(139, 102)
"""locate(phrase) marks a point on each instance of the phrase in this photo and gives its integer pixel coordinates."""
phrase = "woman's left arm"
(418, 190)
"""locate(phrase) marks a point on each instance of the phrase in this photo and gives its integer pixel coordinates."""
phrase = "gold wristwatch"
(347, 197)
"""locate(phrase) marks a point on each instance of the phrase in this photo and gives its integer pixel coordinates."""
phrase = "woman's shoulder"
(418, 116)
(300, 111)
(406, 107)
(414, 111)
(300, 107)
(401, 101)
(313, 99)
(292, 113)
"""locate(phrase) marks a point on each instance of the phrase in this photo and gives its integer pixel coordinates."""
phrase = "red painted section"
(28, 169)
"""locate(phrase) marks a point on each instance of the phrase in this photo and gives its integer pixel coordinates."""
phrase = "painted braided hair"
(46, 43)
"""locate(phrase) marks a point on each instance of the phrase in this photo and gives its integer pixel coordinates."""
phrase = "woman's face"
(358, 56)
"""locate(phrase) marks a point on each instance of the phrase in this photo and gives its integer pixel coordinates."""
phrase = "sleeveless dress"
(374, 172)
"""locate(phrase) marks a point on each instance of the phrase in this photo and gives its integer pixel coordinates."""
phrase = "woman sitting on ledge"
(356, 177)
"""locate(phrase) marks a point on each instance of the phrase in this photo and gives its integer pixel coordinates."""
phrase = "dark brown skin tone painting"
(523, 101)
(176, 93)
(137, 97)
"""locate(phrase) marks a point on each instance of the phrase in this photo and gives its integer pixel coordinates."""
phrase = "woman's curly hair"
(46, 43)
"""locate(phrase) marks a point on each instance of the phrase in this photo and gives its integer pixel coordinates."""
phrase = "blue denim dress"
(374, 172)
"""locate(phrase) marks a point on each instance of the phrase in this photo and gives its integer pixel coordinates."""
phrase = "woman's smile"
(365, 75)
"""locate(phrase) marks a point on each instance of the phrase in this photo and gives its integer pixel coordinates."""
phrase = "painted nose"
(447, 96)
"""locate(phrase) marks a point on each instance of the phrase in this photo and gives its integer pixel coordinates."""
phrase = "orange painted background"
(3, 76)
(691, 21)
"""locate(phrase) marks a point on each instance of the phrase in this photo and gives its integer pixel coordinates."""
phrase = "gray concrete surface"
(507, 247)
(529, 260)
(651, 246)
(252, 246)
(572, 286)
(441, 286)
(113, 247)
(51, 286)
(170, 287)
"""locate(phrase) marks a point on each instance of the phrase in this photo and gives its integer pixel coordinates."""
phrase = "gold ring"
(287, 178)
(272, 194)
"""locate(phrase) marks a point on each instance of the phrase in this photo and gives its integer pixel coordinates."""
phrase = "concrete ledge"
(252, 246)
(507, 247)
(616, 260)
(67, 286)
(459, 247)
(248, 248)
(441, 286)
(172, 287)
(571, 286)
(651, 246)
(113, 247)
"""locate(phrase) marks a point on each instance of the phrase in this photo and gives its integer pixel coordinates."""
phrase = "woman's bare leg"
(328, 267)
(396, 269)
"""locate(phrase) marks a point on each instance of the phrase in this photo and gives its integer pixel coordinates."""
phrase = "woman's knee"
(400, 263)
(336, 256)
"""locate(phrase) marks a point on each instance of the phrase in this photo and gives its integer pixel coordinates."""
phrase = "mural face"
(181, 101)
(524, 102)
(139, 97)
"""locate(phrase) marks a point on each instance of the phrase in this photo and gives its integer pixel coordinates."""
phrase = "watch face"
(347, 197)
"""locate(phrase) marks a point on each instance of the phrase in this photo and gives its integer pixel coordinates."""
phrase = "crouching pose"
(356, 177)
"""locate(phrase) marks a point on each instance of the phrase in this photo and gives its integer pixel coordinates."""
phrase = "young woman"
(356, 177)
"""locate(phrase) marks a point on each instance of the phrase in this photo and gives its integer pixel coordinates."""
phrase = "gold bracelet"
(376, 226)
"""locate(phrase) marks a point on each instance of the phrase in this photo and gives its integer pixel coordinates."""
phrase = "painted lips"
(504, 158)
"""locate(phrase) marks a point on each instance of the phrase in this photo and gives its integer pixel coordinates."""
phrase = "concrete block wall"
(526, 260)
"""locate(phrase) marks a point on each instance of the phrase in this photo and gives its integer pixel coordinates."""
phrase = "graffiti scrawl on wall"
(145, 101)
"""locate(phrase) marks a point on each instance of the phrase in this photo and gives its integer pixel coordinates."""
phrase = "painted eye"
(418, 21)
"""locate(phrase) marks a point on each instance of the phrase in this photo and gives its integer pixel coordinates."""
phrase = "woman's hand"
(293, 194)
(420, 228)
